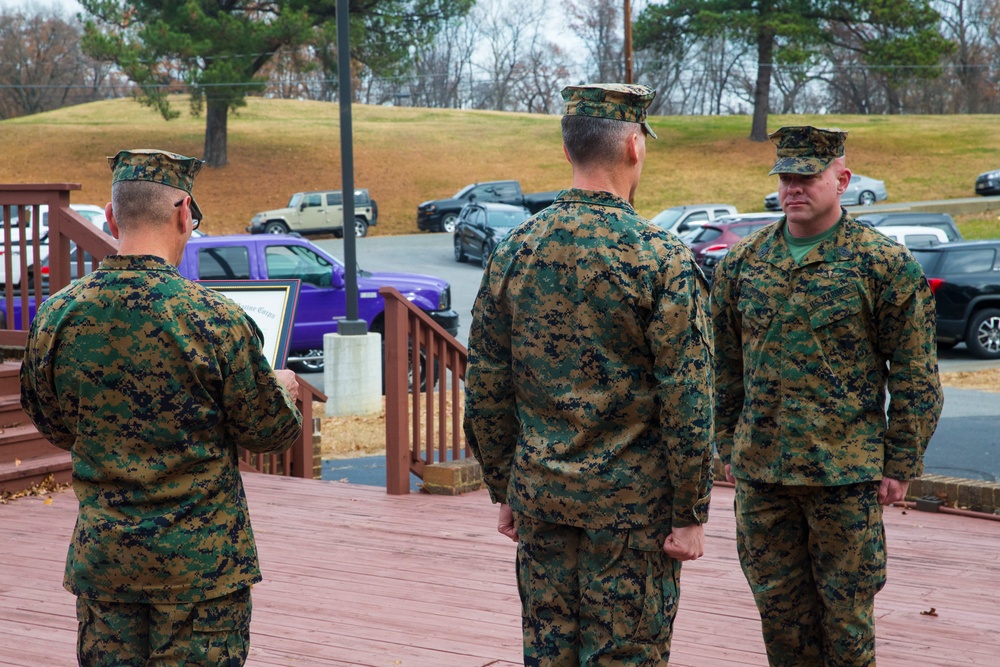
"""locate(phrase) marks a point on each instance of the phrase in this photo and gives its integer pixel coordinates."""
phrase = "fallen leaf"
(17, 462)
(48, 501)
(931, 612)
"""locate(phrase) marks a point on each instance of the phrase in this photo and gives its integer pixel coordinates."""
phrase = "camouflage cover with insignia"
(589, 386)
(801, 359)
(152, 381)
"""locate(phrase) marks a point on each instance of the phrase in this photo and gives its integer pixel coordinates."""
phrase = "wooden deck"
(356, 577)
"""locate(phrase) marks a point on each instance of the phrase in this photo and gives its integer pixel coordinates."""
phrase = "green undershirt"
(800, 247)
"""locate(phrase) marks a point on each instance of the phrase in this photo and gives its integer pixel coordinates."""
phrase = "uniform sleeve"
(260, 414)
(729, 390)
(680, 336)
(491, 425)
(906, 334)
(38, 394)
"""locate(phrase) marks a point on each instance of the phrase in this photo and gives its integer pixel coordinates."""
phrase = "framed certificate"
(270, 304)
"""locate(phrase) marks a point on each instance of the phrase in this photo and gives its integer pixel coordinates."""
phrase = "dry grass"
(406, 155)
(349, 437)
(985, 380)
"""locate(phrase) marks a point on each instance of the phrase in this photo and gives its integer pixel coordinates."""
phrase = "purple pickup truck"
(322, 296)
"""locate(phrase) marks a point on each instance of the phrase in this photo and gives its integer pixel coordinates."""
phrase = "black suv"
(942, 221)
(965, 280)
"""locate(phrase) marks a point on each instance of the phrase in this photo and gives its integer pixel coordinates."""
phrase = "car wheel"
(360, 227)
(448, 223)
(275, 228)
(866, 198)
(983, 337)
(308, 366)
(484, 258)
(460, 255)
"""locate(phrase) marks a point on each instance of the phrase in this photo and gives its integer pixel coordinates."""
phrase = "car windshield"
(507, 219)
(666, 219)
(295, 261)
(461, 193)
(295, 200)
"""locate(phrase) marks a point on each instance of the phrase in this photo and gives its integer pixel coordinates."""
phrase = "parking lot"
(965, 444)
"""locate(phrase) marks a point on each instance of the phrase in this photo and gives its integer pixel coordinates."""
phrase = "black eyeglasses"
(195, 221)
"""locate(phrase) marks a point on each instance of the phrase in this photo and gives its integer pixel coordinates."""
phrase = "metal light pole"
(352, 325)
(628, 41)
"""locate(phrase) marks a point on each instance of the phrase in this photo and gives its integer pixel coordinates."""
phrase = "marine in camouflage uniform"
(810, 333)
(152, 381)
(588, 404)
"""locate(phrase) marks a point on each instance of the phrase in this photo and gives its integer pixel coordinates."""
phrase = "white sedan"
(861, 191)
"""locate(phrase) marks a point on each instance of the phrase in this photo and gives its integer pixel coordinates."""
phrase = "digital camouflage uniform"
(804, 356)
(588, 404)
(152, 381)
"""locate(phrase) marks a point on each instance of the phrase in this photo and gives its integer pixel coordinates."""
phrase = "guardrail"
(423, 423)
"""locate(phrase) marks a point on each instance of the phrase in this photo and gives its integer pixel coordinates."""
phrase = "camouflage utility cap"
(617, 101)
(806, 149)
(149, 164)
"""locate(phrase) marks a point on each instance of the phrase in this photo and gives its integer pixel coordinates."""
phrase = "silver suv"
(318, 212)
(680, 219)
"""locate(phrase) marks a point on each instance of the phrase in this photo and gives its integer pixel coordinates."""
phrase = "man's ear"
(184, 218)
(112, 223)
(633, 148)
(843, 180)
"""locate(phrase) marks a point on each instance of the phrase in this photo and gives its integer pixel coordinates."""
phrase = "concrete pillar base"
(352, 374)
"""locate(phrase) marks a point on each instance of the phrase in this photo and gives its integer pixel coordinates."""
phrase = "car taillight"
(45, 270)
(717, 246)
(935, 283)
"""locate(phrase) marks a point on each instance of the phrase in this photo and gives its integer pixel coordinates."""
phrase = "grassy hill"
(405, 156)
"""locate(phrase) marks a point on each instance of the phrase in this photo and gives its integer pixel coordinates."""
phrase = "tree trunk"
(216, 132)
(762, 89)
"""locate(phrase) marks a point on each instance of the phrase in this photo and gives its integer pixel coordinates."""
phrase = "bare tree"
(546, 72)
(599, 25)
(509, 35)
(441, 67)
(42, 67)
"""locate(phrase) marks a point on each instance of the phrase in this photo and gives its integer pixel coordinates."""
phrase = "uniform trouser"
(212, 633)
(814, 558)
(594, 597)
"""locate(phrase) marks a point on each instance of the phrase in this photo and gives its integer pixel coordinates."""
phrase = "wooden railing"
(299, 460)
(422, 426)
(66, 227)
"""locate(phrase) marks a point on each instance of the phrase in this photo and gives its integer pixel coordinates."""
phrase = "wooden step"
(10, 378)
(23, 442)
(15, 477)
(26, 458)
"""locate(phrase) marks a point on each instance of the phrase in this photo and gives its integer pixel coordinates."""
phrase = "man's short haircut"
(137, 204)
(594, 141)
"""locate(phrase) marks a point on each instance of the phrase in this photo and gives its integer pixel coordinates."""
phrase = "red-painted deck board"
(356, 577)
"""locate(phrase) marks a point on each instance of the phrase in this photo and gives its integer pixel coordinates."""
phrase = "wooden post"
(397, 440)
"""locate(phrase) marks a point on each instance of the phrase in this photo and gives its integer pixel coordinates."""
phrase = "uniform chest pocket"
(757, 309)
(834, 307)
